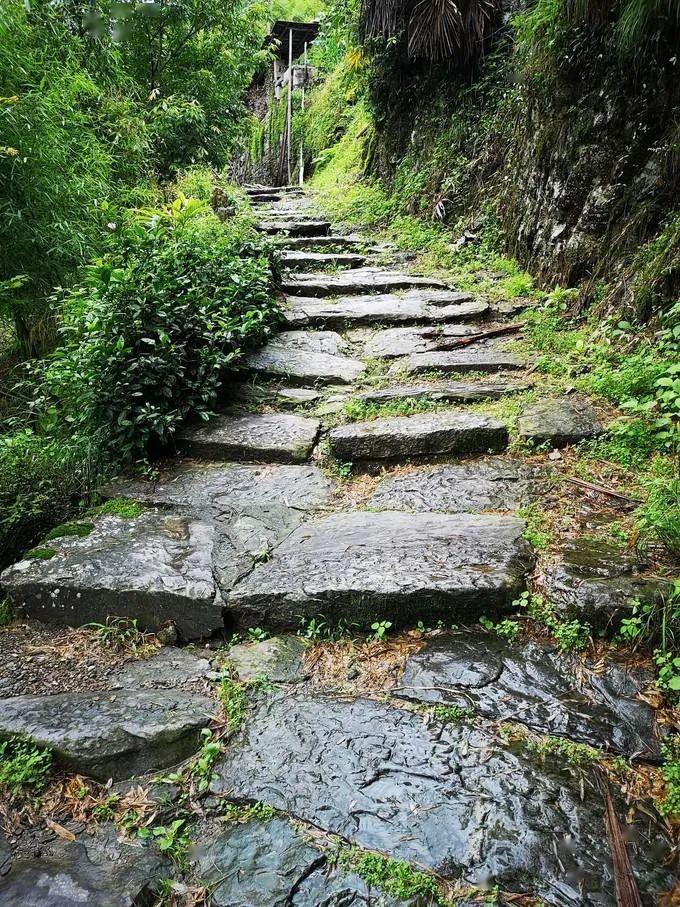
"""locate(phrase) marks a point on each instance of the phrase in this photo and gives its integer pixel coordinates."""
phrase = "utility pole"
(290, 101)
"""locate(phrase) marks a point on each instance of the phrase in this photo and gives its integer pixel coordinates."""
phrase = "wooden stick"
(625, 884)
(480, 335)
(601, 489)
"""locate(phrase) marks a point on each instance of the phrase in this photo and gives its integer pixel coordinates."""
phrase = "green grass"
(41, 553)
(80, 530)
(24, 767)
(395, 877)
(6, 613)
(360, 411)
(536, 531)
(120, 507)
(670, 805)
(453, 714)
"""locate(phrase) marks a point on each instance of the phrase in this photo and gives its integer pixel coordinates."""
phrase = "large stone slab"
(559, 422)
(598, 583)
(291, 227)
(272, 437)
(111, 735)
(424, 435)
(394, 342)
(532, 683)
(310, 261)
(486, 485)
(320, 242)
(269, 863)
(477, 358)
(427, 306)
(306, 357)
(155, 568)
(448, 391)
(397, 566)
(96, 870)
(279, 659)
(170, 668)
(448, 798)
(361, 280)
(252, 506)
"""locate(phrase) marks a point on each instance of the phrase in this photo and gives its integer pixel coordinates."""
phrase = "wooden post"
(290, 101)
(277, 89)
(302, 133)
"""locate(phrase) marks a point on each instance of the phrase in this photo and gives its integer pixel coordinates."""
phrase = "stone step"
(494, 484)
(153, 569)
(448, 798)
(263, 198)
(559, 422)
(267, 437)
(424, 435)
(357, 282)
(446, 391)
(416, 306)
(534, 684)
(287, 189)
(305, 357)
(309, 261)
(394, 342)
(480, 358)
(320, 242)
(401, 567)
(294, 227)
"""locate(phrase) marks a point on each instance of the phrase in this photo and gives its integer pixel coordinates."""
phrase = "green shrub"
(23, 766)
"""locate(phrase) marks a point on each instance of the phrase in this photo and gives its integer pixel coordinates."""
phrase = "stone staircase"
(282, 510)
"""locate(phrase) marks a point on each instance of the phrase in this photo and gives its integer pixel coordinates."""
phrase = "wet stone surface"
(359, 281)
(279, 659)
(297, 227)
(310, 261)
(559, 422)
(400, 566)
(428, 434)
(448, 798)
(394, 342)
(270, 863)
(597, 582)
(429, 306)
(111, 734)
(170, 668)
(532, 683)
(478, 358)
(155, 568)
(269, 437)
(482, 485)
(95, 870)
(450, 391)
(306, 357)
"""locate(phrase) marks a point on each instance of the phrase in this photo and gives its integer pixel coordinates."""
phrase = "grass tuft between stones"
(80, 530)
(395, 877)
(41, 553)
(24, 767)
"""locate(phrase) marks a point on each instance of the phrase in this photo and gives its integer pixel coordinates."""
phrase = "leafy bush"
(150, 330)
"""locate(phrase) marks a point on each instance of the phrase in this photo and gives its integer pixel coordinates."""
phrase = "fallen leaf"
(60, 830)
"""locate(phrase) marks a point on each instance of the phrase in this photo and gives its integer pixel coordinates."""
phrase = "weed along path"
(417, 707)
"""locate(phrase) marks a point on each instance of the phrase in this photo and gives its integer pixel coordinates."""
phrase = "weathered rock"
(298, 395)
(449, 391)
(398, 566)
(597, 582)
(279, 659)
(306, 356)
(253, 507)
(168, 669)
(310, 261)
(321, 242)
(448, 798)
(270, 863)
(427, 434)
(394, 342)
(155, 568)
(294, 227)
(111, 735)
(559, 422)
(96, 870)
(487, 485)
(272, 437)
(534, 684)
(361, 280)
(429, 306)
(480, 358)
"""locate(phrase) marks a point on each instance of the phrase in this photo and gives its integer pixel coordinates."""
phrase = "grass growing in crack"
(171, 840)
(6, 612)
(395, 877)
(571, 635)
(670, 805)
(536, 531)
(234, 812)
(561, 749)
(24, 767)
(507, 628)
(320, 628)
(120, 507)
(453, 714)
(233, 698)
(361, 411)
(121, 634)
(79, 530)
(41, 553)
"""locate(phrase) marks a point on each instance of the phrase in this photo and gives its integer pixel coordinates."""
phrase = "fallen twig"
(479, 335)
(602, 489)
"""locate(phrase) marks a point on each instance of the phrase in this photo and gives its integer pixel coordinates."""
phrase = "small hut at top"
(276, 155)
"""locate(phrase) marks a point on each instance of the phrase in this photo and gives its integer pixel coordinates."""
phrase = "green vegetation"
(120, 507)
(536, 531)
(233, 698)
(395, 877)
(670, 805)
(317, 628)
(6, 613)
(561, 749)
(453, 714)
(120, 634)
(42, 553)
(360, 411)
(79, 530)
(240, 813)
(507, 629)
(24, 767)
(171, 840)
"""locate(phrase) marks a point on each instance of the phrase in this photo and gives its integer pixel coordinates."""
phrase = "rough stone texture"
(294, 227)
(253, 507)
(427, 434)
(597, 582)
(155, 568)
(272, 437)
(309, 261)
(306, 356)
(394, 342)
(279, 659)
(168, 669)
(477, 358)
(451, 391)
(96, 870)
(448, 798)
(321, 242)
(111, 735)
(487, 485)
(534, 684)
(361, 280)
(559, 422)
(399, 566)
(271, 864)
(297, 395)
(429, 306)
